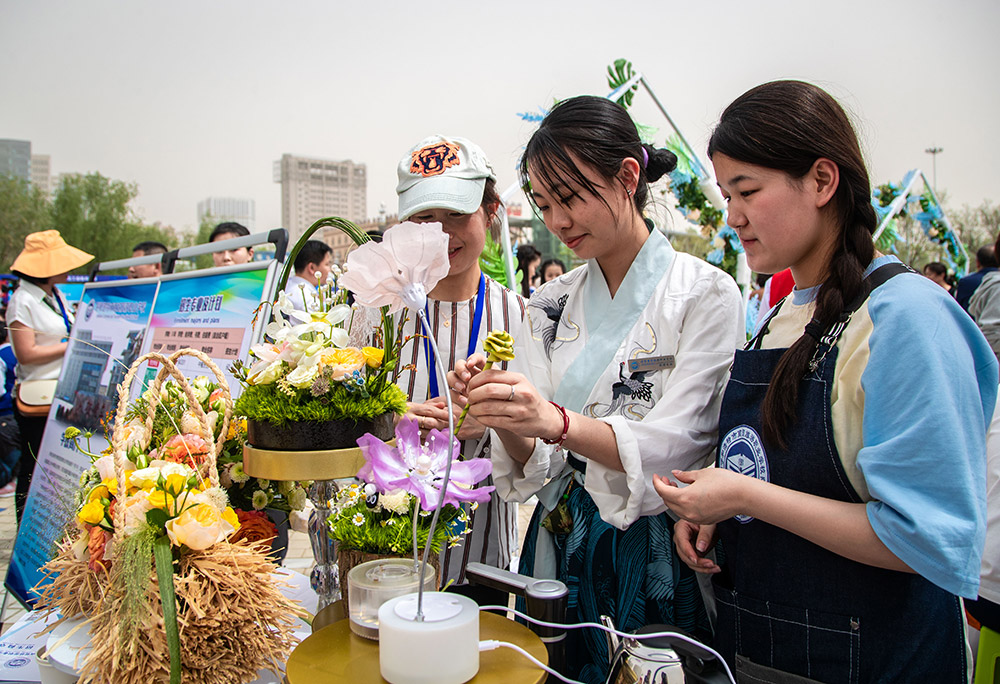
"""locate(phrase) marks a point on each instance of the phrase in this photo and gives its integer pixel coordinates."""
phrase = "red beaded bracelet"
(558, 441)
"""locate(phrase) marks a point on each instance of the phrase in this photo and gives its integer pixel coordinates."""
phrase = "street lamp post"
(934, 152)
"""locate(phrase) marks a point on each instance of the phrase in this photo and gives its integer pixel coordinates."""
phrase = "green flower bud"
(499, 346)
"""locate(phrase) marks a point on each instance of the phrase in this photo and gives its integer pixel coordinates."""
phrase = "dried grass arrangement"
(179, 602)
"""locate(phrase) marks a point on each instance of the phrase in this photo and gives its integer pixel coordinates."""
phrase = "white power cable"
(493, 644)
(624, 635)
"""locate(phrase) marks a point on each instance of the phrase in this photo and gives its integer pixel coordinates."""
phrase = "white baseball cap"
(442, 173)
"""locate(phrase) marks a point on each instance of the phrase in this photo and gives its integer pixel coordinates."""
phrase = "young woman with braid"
(849, 492)
(625, 363)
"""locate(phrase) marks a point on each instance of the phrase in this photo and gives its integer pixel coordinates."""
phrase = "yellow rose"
(229, 515)
(112, 485)
(198, 528)
(175, 484)
(92, 513)
(160, 499)
(343, 361)
(97, 493)
(373, 356)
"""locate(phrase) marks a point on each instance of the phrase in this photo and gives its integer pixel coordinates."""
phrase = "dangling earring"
(628, 192)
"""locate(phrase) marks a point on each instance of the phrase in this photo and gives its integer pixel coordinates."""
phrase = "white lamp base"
(443, 649)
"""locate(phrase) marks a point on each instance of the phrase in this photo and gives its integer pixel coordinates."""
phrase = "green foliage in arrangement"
(135, 555)
(273, 404)
(384, 523)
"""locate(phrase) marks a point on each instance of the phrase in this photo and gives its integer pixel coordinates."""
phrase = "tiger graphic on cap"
(434, 159)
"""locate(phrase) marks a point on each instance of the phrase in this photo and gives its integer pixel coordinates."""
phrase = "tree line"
(91, 211)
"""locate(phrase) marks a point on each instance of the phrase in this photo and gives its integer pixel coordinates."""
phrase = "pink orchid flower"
(419, 468)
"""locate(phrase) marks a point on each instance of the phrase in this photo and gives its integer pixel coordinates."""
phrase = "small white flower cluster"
(398, 501)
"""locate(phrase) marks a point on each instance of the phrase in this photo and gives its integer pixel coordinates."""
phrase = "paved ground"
(299, 558)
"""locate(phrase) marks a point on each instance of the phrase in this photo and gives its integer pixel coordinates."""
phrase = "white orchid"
(399, 271)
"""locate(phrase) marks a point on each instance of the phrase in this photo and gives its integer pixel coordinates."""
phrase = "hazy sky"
(196, 99)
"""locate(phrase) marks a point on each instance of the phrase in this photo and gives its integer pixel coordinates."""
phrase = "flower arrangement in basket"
(168, 593)
(175, 427)
(315, 367)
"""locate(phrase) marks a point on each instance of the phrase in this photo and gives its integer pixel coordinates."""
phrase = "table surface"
(336, 654)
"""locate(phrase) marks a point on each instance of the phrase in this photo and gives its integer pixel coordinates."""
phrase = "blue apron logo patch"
(742, 451)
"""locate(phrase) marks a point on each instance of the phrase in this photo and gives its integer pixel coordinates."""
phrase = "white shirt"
(664, 418)
(28, 306)
(300, 291)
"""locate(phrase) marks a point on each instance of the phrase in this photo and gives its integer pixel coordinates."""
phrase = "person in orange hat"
(39, 321)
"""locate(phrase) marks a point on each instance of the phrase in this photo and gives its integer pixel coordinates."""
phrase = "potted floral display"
(323, 377)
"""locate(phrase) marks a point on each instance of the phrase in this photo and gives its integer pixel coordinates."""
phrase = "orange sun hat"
(46, 254)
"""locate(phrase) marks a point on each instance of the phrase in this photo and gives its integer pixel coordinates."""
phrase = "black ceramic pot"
(315, 436)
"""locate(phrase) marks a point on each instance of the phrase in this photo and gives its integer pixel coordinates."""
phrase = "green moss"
(379, 531)
(269, 404)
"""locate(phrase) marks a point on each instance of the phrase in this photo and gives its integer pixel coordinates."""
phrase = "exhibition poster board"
(212, 311)
(107, 335)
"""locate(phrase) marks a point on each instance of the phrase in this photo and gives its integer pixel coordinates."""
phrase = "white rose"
(136, 508)
(262, 373)
(303, 376)
(190, 425)
(105, 467)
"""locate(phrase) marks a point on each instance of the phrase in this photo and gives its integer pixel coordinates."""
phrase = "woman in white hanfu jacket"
(627, 360)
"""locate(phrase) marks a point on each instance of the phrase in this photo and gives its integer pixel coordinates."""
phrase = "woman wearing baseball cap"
(449, 180)
(39, 321)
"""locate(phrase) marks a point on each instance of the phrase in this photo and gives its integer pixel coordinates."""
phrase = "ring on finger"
(512, 391)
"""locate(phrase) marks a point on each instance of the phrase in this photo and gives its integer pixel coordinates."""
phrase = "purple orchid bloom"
(419, 468)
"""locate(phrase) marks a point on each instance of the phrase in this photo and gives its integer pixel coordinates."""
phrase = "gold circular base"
(325, 464)
(335, 654)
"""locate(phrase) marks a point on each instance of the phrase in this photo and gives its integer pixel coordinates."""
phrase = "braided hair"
(787, 126)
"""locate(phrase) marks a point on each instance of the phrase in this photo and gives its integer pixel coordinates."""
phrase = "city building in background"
(41, 173)
(222, 209)
(15, 158)
(314, 188)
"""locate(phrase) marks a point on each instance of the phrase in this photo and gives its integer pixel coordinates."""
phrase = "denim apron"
(791, 611)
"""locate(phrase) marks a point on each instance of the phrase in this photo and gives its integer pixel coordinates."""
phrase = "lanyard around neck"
(477, 319)
(62, 309)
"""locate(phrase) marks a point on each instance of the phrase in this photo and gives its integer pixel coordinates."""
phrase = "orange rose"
(189, 449)
(343, 361)
(254, 526)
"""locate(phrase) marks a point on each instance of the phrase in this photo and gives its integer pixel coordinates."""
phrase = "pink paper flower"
(399, 271)
(419, 468)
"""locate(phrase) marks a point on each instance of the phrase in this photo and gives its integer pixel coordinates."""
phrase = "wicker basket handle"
(168, 368)
(227, 397)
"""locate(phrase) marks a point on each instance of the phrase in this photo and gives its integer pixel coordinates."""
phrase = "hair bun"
(661, 162)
